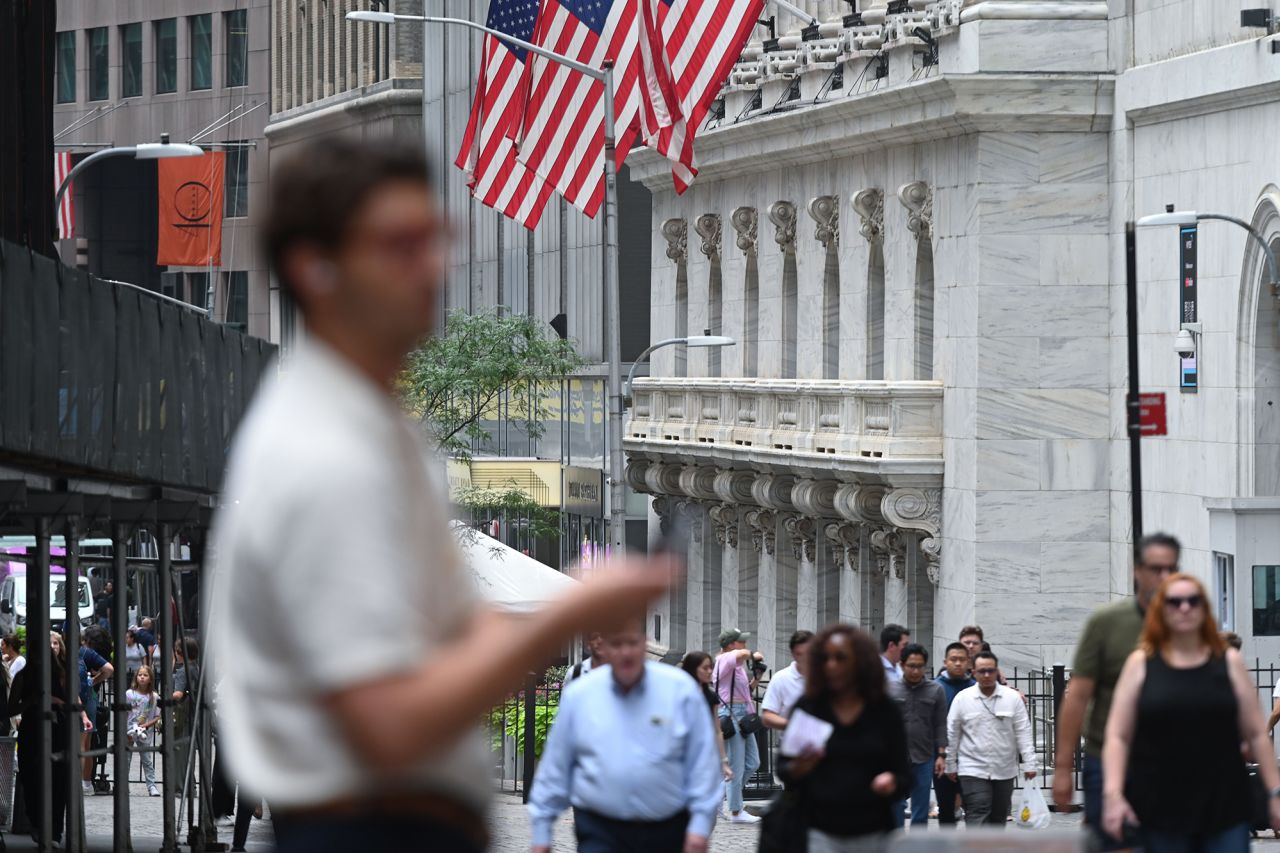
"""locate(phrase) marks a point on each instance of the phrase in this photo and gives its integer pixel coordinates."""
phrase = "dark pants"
(599, 834)
(946, 791)
(986, 801)
(30, 781)
(246, 805)
(319, 834)
(1091, 780)
(1233, 840)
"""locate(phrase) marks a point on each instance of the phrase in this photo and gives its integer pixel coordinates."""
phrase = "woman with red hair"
(1172, 768)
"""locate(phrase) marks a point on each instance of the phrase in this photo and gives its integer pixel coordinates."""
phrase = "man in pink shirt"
(734, 683)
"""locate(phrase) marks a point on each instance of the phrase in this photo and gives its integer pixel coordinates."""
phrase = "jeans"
(599, 834)
(946, 791)
(744, 755)
(921, 783)
(986, 801)
(1233, 840)
(1091, 779)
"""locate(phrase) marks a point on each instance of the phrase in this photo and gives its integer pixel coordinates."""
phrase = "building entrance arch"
(1258, 358)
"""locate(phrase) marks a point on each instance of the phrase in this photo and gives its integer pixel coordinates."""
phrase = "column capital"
(663, 478)
(869, 205)
(773, 491)
(803, 532)
(859, 504)
(846, 538)
(724, 523)
(825, 210)
(698, 481)
(708, 227)
(783, 216)
(734, 487)
(745, 221)
(763, 529)
(919, 510)
(889, 550)
(917, 198)
(676, 233)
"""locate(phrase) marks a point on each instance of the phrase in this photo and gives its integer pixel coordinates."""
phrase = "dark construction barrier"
(100, 379)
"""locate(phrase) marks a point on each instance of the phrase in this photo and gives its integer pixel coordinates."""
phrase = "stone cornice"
(1215, 80)
(919, 111)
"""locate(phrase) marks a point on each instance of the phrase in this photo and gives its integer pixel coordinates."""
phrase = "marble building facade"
(912, 223)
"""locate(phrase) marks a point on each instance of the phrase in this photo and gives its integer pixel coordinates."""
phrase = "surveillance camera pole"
(1133, 403)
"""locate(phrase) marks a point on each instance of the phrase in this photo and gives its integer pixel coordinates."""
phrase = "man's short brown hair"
(317, 192)
(972, 629)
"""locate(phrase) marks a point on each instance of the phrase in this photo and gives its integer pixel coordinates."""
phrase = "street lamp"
(690, 341)
(1185, 341)
(142, 151)
(613, 322)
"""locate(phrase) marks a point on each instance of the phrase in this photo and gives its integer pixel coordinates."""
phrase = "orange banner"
(190, 210)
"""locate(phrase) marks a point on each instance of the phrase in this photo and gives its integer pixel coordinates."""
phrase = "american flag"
(66, 209)
(488, 154)
(703, 38)
(562, 135)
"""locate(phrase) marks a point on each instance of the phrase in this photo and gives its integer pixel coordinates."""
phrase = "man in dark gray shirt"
(924, 708)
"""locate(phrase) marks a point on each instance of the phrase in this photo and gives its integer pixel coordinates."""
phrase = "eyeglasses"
(984, 672)
(1177, 602)
(1159, 569)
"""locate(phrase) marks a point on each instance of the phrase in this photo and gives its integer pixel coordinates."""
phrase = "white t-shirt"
(785, 689)
(1275, 694)
(329, 517)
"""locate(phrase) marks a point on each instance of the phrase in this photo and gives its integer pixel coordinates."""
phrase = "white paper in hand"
(804, 733)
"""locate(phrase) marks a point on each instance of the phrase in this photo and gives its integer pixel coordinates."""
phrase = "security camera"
(1185, 343)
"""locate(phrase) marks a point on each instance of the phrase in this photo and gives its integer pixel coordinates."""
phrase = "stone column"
(845, 540)
(677, 609)
(855, 259)
(822, 293)
(764, 536)
(743, 278)
(866, 553)
(917, 198)
(803, 534)
(724, 522)
(695, 573)
(917, 514)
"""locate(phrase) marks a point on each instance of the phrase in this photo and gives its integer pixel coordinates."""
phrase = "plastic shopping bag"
(1033, 811)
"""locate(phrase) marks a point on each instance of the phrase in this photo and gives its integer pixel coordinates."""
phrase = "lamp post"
(142, 151)
(1133, 404)
(691, 341)
(613, 323)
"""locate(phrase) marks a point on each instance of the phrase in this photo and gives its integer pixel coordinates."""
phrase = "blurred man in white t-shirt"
(787, 685)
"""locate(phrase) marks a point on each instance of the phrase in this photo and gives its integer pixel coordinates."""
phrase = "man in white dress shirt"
(787, 685)
(331, 511)
(987, 729)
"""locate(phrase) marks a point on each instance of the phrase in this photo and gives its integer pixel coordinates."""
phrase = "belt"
(451, 813)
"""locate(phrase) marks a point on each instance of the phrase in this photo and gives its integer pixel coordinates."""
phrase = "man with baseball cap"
(734, 682)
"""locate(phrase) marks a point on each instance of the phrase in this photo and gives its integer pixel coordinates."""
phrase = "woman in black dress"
(847, 790)
(1173, 772)
(700, 665)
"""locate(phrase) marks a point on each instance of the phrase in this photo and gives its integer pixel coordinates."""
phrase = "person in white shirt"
(594, 660)
(332, 510)
(787, 685)
(987, 729)
(893, 639)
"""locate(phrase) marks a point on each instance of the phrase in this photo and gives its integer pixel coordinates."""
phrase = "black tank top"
(1186, 773)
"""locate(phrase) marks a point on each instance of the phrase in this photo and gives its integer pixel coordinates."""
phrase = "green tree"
(458, 379)
(509, 503)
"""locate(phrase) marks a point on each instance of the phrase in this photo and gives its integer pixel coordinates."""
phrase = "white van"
(13, 602)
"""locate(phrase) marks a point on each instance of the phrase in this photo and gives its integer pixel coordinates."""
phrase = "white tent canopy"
(506, 578)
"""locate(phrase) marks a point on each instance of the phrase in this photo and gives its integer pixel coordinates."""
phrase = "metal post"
(169, 732)
(40, 655)
(613, 326)
(1059, 687)
(119, 682)
(1133, 404)
(74, 838)
(528, 734)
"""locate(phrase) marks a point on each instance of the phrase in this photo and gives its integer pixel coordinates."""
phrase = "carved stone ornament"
(803, 533)
(662, 507)
(825, 210)
(773, 491)
(869, 205)
(845, 539)
(815, 498)
(698, 482)
(708, 227)
(886, 545)
(635, 474)
(764, 525)
(663, 478)
(917, 198)
(859, 504)
(745, 220)
(734, 487)
(783, 216)
(724, 522)
(676, 233)
(921, 510)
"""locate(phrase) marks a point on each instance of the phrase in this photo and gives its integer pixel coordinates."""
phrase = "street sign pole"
(1134, 402)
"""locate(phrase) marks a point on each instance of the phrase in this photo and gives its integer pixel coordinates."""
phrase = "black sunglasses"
(1175, 602)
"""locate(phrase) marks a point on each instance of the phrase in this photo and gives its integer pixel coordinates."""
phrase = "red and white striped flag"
(562, 136)
(66, 209)
(488, 153)
(703, 38)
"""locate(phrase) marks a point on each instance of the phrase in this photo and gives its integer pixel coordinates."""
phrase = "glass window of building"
(99, 66)
(201, 51)
(1266, 601)
(238, 300)
(66, 68)
(166, 56)
(131, 60)
(235, 194)
(235, 24)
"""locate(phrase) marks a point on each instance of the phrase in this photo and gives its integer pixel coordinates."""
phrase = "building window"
(131, 60)
(1224, 568)
(1266, 601)
(236, 27)
(166, 56)
(235, 195)
(66, 68)
(237, 316)
(99, 65)
(199, 293)
(201, 51)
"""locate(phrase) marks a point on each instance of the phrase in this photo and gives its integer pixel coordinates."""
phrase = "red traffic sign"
(1152, 419)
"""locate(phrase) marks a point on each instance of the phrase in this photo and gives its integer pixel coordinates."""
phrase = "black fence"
(102, 379)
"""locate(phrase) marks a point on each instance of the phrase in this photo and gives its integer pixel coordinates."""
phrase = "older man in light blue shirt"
(633, 751)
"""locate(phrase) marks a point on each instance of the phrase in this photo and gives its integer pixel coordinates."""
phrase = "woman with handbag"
(844, 794)
(1173, 773)
(699, 665)
(739, 721)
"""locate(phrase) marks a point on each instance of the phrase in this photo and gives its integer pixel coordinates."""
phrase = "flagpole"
(613, 325)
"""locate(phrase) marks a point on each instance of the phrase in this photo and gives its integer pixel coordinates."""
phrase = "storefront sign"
(583, 491)
(1188, 370)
